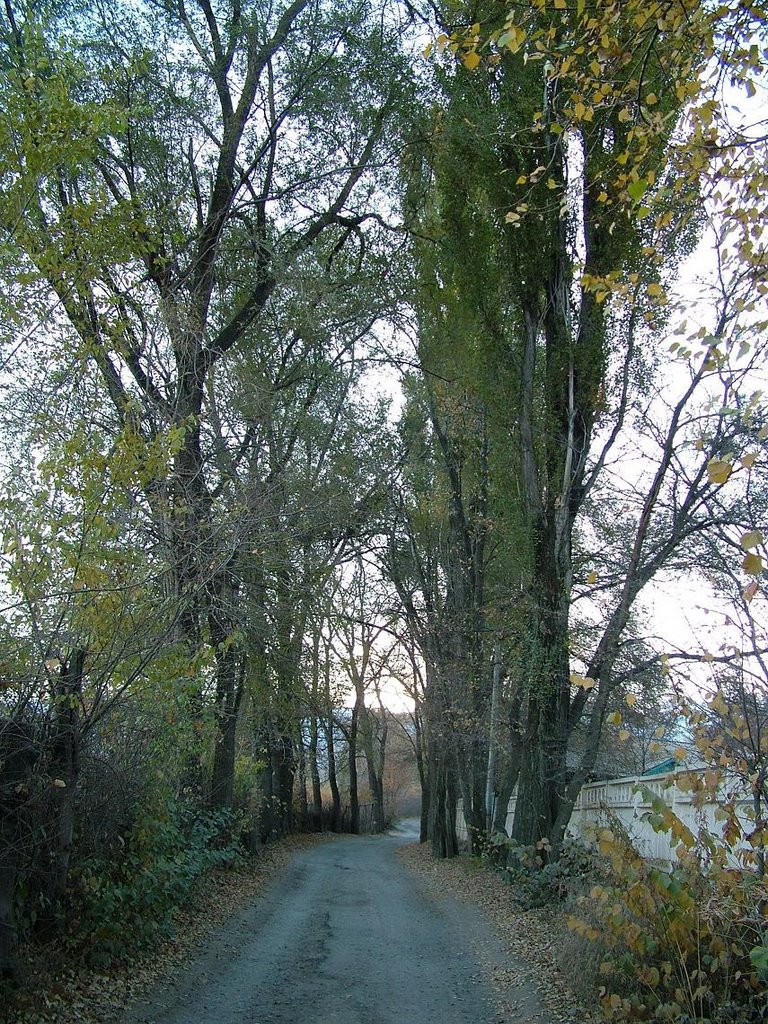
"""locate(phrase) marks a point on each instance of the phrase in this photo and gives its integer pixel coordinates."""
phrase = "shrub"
(537, 880)
(126, 906)
(688, 943)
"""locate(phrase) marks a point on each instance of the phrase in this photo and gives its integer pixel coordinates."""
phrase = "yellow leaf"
(592, 577)
(752, 564)
(614, 718)
(59, 783)
(427, 49)
(471, 60)
(680, 754)
(630, 699)
(521, 180)
(512, 217)
(513, 38)
(585, 682)
(624, 735)
(750, 590)
(659, 731)
(718, 703)
(718, 471)
(750, 540)
(749, 460)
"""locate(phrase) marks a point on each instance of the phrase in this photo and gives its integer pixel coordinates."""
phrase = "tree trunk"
(64, 772)
(426, 801)
(374, 743)
(442, 805)
(423, 778)
(442, 823)
(303, 798)
(542, 778)
(276, 750)
(314, 774)
(490, 782)
(376, 785)
(471, 781)
(284, 770)
(354, 797)
(230, 685)
(333, 781)
(314, 770)
(266, 783)
(511, 766)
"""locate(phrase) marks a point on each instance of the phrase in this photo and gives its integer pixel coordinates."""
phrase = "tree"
(200, 140)
(361, 630)
(190, 194)
(604, 207)
(85, 631)
(437, 561)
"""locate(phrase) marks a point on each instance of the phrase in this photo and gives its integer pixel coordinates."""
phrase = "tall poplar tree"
(526, 227)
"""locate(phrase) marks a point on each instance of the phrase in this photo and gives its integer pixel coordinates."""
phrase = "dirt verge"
(532, 938)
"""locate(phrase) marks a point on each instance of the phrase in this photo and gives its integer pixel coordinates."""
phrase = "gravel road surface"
(345, 935)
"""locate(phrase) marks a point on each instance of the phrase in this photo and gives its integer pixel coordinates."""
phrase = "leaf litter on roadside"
(529, 936)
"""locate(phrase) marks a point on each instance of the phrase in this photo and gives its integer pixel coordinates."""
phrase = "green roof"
(668, 765)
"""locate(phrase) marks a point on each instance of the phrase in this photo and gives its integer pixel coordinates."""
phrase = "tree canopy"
(227, 228)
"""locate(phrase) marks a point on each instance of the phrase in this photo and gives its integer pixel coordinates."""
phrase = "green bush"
(125, 907)
(537, 880)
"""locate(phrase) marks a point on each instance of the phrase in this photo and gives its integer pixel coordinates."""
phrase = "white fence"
(621, 799)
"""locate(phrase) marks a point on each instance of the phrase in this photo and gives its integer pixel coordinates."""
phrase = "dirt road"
(344, 936)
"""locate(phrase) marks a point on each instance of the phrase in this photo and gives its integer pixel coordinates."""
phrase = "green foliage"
(686, 943)
(247, 770)
(126, 903)
(537, 880)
